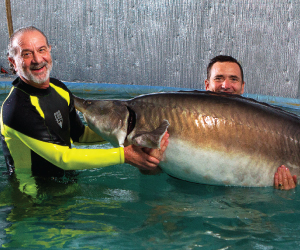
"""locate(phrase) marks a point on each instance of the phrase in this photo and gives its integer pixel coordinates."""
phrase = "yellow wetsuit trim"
(62, 156)
(21, 155)
(35, 102)
(64, 94)
(27, 184)
(11, 90)
(89, 137)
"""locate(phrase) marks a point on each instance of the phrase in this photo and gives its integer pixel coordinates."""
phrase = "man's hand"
(146, 159)
(158, 153)
(283, 179)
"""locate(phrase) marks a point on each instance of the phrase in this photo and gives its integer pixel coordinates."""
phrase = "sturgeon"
(216, 139)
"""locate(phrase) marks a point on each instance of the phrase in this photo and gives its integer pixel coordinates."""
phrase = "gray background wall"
(166, 42)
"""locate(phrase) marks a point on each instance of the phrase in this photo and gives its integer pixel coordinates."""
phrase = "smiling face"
(225, 77)
(32, 60)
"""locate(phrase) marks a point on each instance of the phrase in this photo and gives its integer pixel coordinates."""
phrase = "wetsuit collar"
(20, 84)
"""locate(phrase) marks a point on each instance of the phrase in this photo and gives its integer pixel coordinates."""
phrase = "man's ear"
(206, 84)
(12, 61)
(243, 87)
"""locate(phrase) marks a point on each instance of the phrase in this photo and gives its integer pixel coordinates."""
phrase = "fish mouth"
(131, 121)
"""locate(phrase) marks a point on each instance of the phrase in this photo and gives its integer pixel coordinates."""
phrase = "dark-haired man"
(225, 74)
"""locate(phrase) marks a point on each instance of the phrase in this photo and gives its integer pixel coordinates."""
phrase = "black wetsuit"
(38, 127)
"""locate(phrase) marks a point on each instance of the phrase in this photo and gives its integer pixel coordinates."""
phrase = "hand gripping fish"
(216, 139)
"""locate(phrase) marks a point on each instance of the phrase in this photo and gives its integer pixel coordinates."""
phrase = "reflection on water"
(118, 208)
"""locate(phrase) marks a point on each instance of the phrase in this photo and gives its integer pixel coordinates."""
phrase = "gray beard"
(30, 77)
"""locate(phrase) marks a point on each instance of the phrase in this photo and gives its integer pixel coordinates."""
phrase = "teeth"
(38, 67)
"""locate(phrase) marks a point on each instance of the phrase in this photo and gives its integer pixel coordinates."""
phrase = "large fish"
(216, 139)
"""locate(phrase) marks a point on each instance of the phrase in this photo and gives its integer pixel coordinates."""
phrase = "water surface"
(118, 208)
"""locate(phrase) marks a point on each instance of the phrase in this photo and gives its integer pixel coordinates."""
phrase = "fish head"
(107, 118)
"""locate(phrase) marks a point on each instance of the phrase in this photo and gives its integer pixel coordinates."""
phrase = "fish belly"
(186, 161)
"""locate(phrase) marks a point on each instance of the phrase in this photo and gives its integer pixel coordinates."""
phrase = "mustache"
(39, 66)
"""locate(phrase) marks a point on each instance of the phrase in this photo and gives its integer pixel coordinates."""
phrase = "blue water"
(119, 208)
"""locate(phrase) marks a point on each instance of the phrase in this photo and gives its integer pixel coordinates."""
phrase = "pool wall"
(166, 43)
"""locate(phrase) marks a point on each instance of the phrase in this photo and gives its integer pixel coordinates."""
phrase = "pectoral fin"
(151, 139)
